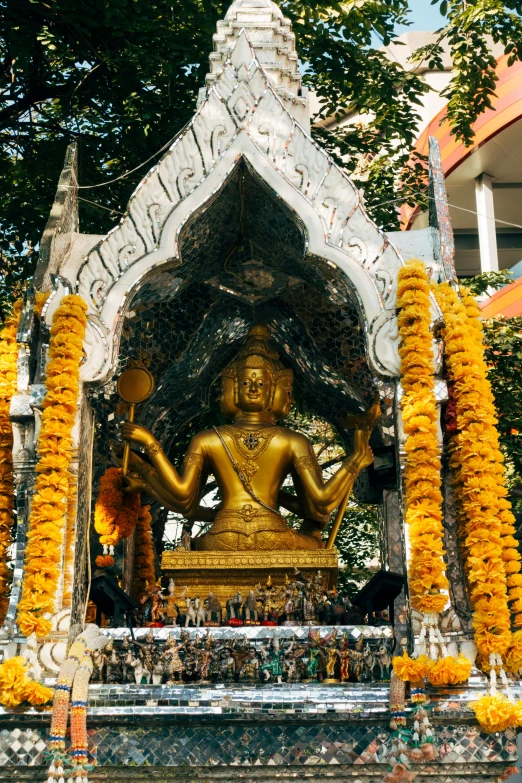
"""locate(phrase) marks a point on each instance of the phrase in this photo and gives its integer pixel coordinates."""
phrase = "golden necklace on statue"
(250, 444)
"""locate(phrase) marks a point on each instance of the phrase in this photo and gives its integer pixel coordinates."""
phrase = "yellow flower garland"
(16, 687)
(423, 470)
(476, 461)
(486, 522)
(8, 387)
(47, 521)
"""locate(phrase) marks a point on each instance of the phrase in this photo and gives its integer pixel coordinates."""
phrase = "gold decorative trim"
(231, 561)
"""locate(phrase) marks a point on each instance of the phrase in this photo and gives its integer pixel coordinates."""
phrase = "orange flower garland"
(16, 687)
(144, 572)
(8, 387)
(423, 470)
(489, 548)
(510, 553)
(47, 521)
(478, 476)
(115, 513)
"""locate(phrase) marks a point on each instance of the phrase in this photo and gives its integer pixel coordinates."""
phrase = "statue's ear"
(236, 392)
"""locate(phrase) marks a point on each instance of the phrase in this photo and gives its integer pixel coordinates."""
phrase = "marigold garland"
(423, 469)
(47, 521)
(486, 523)
(144, 571)
(476, 462)
(8, 387)
(16, 687)
(115, 513)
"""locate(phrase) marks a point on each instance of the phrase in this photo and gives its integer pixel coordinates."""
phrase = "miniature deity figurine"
(170, 606)
(369, 662)
(146, 655)
(99, 659)
(206, 653)
(384, 661)
(250, 608)
(190, 613)
(191, 661)
(174, 664)
(272, 667)
(316, 660)
(332, 659)
(250, 669)
(127, 657)
(214, 610)
(356, 660)
(137, 667)
(114, 668)
(234, 607)
(152, 603)
(250, 460)
(344, 660)
(185, 542)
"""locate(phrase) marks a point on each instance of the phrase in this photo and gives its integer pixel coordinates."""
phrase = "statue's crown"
(257, 351)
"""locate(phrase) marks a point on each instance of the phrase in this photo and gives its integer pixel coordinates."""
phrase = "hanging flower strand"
(422, 476)
(47, 520)
(480, 497)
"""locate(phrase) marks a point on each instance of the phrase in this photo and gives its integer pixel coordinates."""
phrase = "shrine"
(246, 274)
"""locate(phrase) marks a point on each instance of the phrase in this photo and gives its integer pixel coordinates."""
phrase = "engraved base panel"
(224, 573)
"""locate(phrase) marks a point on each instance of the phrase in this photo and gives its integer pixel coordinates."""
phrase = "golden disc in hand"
(135, 385)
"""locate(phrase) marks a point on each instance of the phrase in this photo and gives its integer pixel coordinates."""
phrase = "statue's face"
(283, 398)
(226, 398)
(254, 387)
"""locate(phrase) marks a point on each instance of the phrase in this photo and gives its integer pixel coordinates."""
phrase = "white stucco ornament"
(253, 112)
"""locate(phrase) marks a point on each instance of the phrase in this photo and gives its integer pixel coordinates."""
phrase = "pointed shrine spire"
(273, 43)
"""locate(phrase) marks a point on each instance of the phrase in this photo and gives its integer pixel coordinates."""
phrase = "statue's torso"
(250, 520)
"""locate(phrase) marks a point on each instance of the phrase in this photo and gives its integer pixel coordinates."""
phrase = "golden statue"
(250, 459)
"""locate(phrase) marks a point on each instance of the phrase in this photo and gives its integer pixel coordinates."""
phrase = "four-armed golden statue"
(250, 459)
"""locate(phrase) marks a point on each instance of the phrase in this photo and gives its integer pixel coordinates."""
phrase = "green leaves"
(122, 77)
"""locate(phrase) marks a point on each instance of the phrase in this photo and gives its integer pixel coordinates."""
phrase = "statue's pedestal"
(226, 573)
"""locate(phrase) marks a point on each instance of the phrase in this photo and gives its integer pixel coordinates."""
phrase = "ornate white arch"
(242, 116)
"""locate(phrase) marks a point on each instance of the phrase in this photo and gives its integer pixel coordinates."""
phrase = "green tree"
(121, 77)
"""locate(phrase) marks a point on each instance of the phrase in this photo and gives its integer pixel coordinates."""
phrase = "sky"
(424, 16)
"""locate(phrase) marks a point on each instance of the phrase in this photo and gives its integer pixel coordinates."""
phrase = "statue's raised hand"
(135, 433)
(362, 450)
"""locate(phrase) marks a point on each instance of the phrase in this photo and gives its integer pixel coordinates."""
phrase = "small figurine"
(152, 611)
(137, 667)
(146, 655)
(191, 661)
(99, 659)
(272, 667)
(214, 611)
(344, 658)
(356, 660)
(368, 663)
(170, 606)
(332, 658)
(249, 671)
(185, 542)
(384, 661)
(174, 665)
(114, 668)
(250, 608)
(316, 659)
(190, 613)
(234, 609)
(201, 613)
(205, 657)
